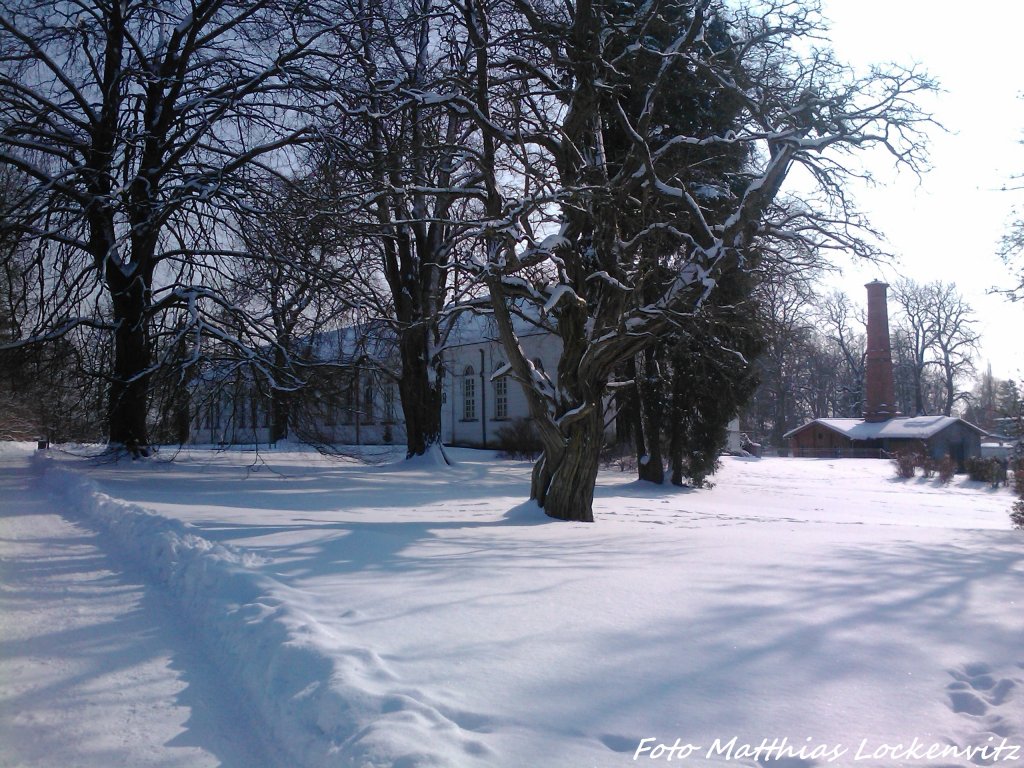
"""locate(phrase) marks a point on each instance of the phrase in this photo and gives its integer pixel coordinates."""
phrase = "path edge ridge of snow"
(315, 714)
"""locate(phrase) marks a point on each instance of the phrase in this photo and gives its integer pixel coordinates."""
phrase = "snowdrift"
(323, 703)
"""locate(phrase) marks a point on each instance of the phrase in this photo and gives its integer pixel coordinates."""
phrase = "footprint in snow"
(975, 688)
(978, 692)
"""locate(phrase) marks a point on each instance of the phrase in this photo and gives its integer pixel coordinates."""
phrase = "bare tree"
(845, 329)
(135, 122)
(1012, 251)
(789, 327)
(563, 76)
(956, 341)
(935, 327)
(295, 276)
(412, 158)
(916, 326)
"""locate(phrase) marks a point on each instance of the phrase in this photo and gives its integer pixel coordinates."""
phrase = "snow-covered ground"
(816, 611)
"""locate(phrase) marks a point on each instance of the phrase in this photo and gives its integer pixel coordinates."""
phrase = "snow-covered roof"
(473, 327)
(912, 428)
(376, 339)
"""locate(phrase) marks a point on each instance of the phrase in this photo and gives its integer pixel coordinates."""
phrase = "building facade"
(355, 401)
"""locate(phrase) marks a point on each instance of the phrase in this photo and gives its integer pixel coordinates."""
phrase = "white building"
(357, 403)
(476, 402)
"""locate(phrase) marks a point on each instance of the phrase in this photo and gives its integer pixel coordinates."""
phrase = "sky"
(947, 225)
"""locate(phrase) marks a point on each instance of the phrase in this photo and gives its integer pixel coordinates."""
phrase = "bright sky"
(948, 226)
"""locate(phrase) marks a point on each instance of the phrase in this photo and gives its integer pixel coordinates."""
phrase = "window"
(468, 395)
(368, 402)
(501, 397)
(389, 403)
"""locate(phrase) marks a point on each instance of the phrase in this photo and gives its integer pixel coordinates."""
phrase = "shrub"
(946, 468)
(928, 465)
(518, 440)
(620, 456)
(906, 464)
(1017, 465)
(979, 469)
(1017, 514)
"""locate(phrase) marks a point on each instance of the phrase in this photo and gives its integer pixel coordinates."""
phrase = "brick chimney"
(880, 392)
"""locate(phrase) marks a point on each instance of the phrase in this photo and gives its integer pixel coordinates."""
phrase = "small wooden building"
(938, 436)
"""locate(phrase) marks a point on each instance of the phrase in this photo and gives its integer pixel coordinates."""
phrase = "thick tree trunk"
(280, 414)
(650, 466)
(182, 414)
(129, 389)
(563, 480)
(950, 387)
(420, 388)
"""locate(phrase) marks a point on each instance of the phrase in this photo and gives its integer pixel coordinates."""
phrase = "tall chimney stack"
(880, 394)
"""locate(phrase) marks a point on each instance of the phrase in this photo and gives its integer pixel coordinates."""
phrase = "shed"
(938, 435)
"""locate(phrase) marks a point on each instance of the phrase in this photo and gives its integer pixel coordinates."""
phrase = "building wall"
(365, 408)
(479, 425)
(957, 440)
(816, 440)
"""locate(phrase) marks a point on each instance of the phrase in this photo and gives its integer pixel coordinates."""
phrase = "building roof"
(914, 428)
(377, 339)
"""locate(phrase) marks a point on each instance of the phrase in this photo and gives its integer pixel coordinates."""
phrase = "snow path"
(94, 668)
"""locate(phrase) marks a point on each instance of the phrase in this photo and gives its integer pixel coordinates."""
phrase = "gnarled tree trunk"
(564, 477)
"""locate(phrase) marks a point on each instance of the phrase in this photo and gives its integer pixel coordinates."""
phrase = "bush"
(1017, 465)
(620, 456)
(979, 469)
(518, 440)
(946, 468)
(928, 465)
(1017, 515)
(906, 464)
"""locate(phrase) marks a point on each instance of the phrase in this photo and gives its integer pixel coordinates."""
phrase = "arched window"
(468, 395)
(500, 394)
